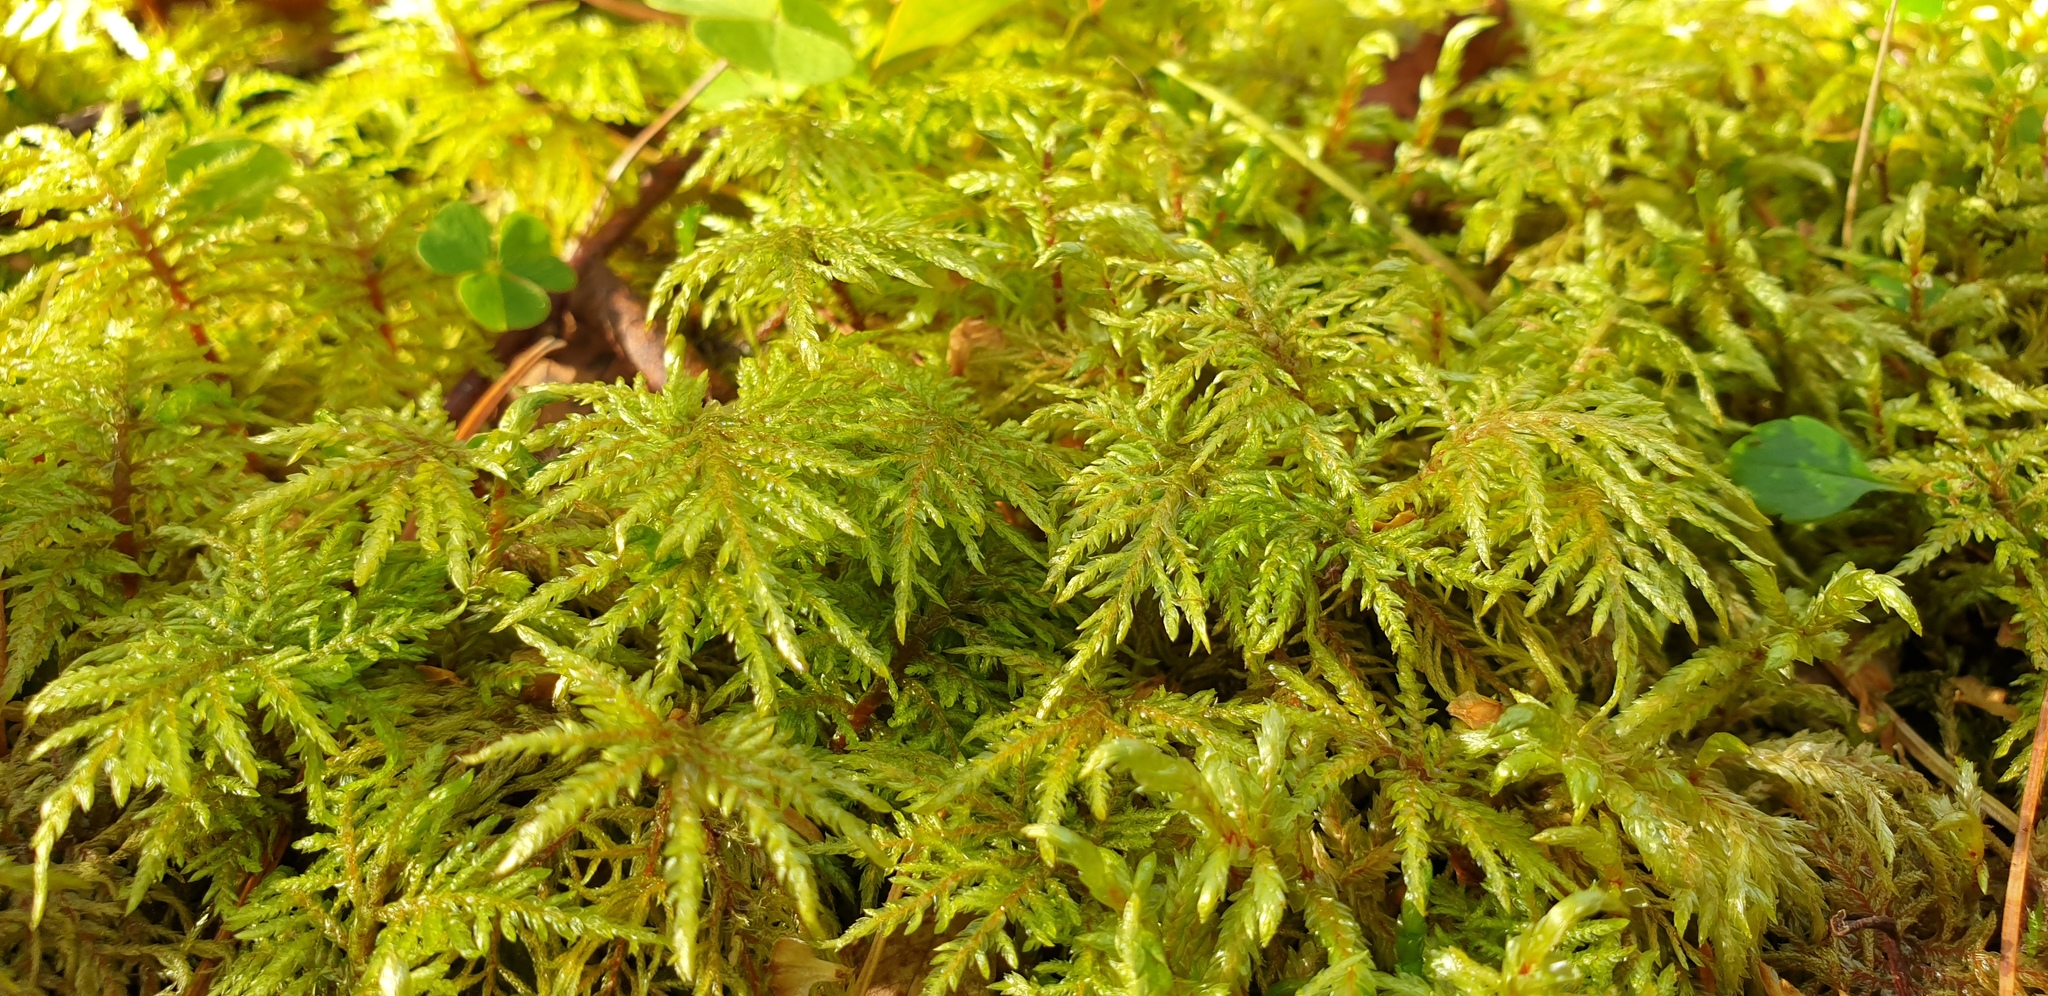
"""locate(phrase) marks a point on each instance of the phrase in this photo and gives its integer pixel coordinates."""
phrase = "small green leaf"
(458, 240)
(1718, 746)
(1925, 10)
(1900, 297)
(1801, 469)
(239, 174)
(686, 229)
(527, 250)
(920, 24)
(502, 301)
(2027, 127)
(181, 402)
(803, 46)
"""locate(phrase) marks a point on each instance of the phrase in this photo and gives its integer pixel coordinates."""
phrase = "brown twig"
(202, 977)
(2022, 853)
(638, 12)
(486, 406)
(1932, 760)
(656, 185)
(647, 136)
(153, 254)
(770, 324)
(1884, 45)
(874, 958)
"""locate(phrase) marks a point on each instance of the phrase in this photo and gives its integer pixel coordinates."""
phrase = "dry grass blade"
(1884, 45)
(487, 405)
(646, 137)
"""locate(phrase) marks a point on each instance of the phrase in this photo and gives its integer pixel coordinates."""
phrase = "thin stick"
(638, 12)
(1407, 237)
(874, 958)
(473, 420)
(1932, 760)
(646, 136)
(2022, 854)
(1884, 47)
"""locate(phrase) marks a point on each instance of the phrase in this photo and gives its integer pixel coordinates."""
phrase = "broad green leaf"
(797, 43)
(813, 17)
(739, 10)
(502, 301)
(1925, 10)
(920, 24)
(777, 49)
(239, 174)
(527, 250)
(458, 240)
(1801, 469)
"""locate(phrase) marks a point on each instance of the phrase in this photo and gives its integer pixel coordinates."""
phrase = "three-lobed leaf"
(527, 250)
(457, 241)
(500, 301)
(504, 290)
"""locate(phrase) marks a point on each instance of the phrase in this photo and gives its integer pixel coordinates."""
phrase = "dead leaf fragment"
(971, 334)
(1476, 710)
(793, 968)
(1991, 699)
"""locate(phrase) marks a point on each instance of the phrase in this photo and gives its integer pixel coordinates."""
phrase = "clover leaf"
(503, 289)
(1801, 469)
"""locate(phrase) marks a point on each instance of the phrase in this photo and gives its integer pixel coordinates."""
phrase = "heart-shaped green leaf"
(239, 174)
(527, 250)
(1801, 469)
(501, 301)
(458, 240)
(920, 24)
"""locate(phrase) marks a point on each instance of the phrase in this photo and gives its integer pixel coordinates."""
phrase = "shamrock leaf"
(1801, 469)
(501, 301)
(502, 289)
(458, 240)
(526, 249)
